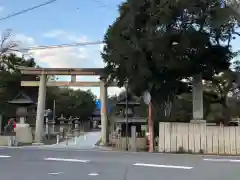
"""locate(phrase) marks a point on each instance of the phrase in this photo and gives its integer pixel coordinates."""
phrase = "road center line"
(162, 166)
(223, 160)
(3, 156)
(66, 160)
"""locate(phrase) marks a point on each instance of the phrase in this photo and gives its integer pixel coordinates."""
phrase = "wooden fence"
(199, 138)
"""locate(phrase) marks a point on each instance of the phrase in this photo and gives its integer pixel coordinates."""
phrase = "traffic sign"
(147, 97)
(98, 105)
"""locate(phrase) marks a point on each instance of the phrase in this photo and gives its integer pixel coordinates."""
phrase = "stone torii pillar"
(40, 109)
(104, 113)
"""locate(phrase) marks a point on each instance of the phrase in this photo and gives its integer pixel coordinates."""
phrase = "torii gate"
(73, 72)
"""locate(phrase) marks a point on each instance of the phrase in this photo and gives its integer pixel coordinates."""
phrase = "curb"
(106, 149)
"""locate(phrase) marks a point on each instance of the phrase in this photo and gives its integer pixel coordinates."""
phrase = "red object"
(14, 123)
(150, 128)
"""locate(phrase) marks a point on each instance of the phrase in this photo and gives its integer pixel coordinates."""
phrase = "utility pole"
(147, 99)
(151, 128)
(126, 116)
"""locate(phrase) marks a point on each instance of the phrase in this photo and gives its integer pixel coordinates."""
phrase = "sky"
(64, 21)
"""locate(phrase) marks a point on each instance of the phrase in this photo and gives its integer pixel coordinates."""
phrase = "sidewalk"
(86, 141)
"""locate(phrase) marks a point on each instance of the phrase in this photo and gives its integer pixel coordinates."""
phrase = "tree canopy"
(71, 102)
(154, 45)
(10, 81)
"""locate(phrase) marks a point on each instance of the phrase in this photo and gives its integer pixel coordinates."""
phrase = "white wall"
(196, 137)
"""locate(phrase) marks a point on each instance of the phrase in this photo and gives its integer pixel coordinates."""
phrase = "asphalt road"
(35, 164)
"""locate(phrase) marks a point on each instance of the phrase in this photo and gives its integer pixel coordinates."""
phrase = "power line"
(28, 9)
(101, 4)
(59, 46)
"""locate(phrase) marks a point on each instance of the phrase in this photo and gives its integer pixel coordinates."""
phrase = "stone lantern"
(62, 121)
(22, 102)
(23, 130)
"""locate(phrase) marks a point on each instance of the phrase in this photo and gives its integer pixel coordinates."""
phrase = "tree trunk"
(226, 113)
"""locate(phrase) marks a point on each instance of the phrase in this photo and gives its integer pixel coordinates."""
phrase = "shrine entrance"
(73, 72)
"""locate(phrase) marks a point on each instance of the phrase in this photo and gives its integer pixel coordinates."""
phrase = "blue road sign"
(98, 105)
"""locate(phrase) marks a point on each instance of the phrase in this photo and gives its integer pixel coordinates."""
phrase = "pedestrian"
(12, 122)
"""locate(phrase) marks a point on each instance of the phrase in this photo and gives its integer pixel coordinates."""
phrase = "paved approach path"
(36, 164)
(86, 141)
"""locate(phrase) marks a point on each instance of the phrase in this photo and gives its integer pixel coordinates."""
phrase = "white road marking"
(93, 174)
(3, 156)
(162, 166)
(222, 160)
(11, 147)
(56, 173)
(66, 160)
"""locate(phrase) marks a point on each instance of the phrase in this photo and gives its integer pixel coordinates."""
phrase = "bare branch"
(6, 45)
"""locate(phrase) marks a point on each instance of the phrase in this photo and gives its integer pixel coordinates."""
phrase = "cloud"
(25, 41)
(63, 35)
(54, 33)
(70, 57)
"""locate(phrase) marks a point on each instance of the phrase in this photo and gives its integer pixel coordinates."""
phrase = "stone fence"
(199, 138)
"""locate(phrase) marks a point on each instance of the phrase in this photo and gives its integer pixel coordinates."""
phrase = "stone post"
(47, 126)
(22, 120)
(197, 94)
(133, 138)
(76, 127)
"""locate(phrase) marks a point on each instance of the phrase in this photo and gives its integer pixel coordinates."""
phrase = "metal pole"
(54, 110)
(126, 116)
(53, 116)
